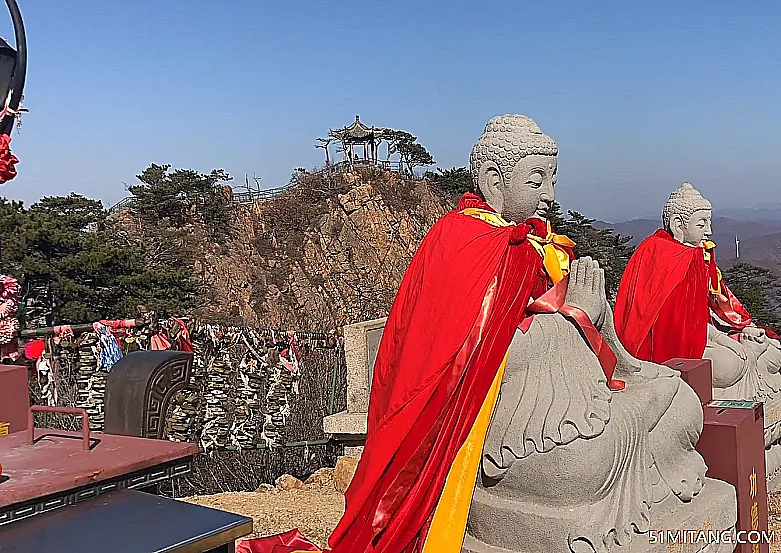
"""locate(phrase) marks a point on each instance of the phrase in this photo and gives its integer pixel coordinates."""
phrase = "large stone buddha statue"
(583, 453)
(672, 302)
(504, 414)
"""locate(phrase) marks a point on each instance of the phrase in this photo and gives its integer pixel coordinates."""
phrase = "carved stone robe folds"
(569, 466)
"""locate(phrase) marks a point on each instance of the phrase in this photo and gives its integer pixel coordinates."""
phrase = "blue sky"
(640, 96)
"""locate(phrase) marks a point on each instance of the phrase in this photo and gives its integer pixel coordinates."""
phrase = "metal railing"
(381, 163)
(249, 196)
(242, 197)
(123, 203)
(252, 196)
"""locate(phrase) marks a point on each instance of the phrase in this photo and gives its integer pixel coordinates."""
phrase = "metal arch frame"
(20, 71)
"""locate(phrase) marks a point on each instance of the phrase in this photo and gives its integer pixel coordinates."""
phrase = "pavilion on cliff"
(360, 144)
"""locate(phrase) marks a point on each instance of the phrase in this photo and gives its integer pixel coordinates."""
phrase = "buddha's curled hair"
(506, 140)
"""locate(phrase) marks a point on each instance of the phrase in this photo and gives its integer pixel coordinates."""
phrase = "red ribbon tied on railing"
(8, 160)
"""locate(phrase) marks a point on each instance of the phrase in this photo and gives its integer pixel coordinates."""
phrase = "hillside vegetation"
(330, 250)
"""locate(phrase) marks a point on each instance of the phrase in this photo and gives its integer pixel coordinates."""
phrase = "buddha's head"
(687, 216)
(514, 166)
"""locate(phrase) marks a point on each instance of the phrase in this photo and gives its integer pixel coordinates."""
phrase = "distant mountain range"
(759, 237)
(767, 212)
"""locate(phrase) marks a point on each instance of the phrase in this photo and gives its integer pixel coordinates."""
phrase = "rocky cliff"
(329, 252)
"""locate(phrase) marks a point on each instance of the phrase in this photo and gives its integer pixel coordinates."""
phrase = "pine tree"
(66, 247)
(758, 289)
(612, 251)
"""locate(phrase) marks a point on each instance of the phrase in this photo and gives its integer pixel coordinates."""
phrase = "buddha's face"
(695, 231)
(527, 192)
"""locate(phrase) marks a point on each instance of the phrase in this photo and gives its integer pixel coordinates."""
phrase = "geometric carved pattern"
(136, 480)
(139, 389)
(167, 380)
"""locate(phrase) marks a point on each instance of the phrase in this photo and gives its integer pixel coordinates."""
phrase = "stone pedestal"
(361, 343)
(733, 446)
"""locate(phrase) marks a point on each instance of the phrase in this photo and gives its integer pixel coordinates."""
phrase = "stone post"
(361, 343)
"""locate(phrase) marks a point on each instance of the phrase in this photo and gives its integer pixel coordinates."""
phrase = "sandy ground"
(316, 511)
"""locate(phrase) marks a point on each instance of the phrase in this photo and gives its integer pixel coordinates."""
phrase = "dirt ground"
(315, 512)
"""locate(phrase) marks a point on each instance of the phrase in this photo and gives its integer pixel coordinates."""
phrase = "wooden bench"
(127, 521)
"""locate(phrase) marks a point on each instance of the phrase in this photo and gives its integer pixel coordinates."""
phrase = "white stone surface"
(361, 342)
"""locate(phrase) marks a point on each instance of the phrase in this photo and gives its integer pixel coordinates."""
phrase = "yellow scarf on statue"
(554, 258)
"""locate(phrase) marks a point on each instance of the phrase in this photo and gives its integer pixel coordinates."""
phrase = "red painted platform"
(57, 463)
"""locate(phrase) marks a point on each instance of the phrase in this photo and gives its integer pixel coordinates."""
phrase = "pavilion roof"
(357, 131)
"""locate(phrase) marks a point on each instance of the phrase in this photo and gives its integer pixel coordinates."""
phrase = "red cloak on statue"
(666, 299)
(448, 331)
(461, 300)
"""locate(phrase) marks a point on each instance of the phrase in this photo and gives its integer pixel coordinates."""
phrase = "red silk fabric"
(729, 309)
(34, 349)
(664, 300)
(8, 160)
(450, 326)
(183, 337)
(280, 543)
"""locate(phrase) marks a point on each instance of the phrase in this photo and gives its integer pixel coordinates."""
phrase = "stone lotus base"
(543, 530)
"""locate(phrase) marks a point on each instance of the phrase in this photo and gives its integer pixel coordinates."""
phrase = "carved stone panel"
(139, 389)
(361, 342)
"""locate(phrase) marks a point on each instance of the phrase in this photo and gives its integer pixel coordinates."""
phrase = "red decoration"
(662, 303)
(159, 342)
(7, 160)
(183, 338)
(34, 349)
(437, 360)
(519, 234)
(286, 542)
